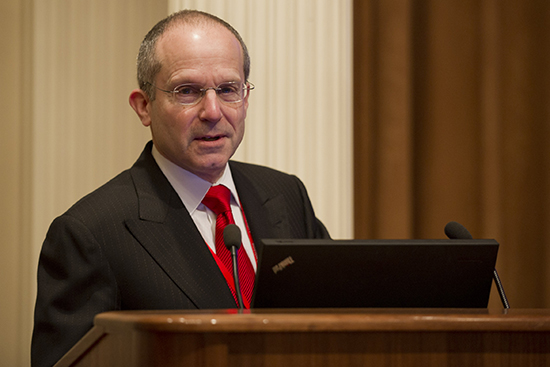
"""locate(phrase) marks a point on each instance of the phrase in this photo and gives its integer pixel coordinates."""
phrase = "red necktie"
(217, 199)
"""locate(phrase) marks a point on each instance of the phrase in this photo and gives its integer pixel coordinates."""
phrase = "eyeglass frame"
(246, 86)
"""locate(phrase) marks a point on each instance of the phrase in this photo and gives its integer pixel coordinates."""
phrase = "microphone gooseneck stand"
(232, 240)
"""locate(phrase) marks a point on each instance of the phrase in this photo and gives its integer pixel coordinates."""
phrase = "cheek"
(236, 117)
(174, 121)
(238, 125)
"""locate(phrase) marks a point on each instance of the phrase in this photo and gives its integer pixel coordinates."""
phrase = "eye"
(228, 88)
(187, 90)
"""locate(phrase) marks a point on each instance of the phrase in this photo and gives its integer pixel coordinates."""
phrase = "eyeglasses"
(191, 94)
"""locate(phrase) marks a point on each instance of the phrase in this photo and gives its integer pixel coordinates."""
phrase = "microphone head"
(232, 236)
(456, 231)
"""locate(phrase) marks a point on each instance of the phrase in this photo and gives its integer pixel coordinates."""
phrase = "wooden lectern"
(340, 337)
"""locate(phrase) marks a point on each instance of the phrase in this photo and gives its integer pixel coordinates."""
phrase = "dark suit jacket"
(131, 244)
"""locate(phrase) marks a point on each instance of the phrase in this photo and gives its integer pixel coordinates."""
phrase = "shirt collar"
(191, 188)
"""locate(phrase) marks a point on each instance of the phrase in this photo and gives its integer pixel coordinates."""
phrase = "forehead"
(206, 50)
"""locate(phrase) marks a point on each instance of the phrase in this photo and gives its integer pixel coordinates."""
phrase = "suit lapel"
(264, 213)
(167, 232)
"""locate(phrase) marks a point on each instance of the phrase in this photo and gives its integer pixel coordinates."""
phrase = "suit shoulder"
(114, 196)
(257, 171)
(267, 180)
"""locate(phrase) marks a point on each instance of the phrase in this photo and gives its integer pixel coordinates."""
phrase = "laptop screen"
(323, 273)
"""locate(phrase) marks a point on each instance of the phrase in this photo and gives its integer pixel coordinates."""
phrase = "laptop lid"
(311, 273)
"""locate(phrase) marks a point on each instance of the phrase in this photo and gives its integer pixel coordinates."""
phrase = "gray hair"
(147, 63)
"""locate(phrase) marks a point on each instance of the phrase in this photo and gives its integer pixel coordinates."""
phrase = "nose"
(210, 107)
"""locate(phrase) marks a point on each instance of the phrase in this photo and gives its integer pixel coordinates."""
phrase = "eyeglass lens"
(191, 93)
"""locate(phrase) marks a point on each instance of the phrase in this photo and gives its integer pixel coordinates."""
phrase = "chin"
(213, 165)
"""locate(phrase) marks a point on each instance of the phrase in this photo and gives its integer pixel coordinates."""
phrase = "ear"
(140, 103)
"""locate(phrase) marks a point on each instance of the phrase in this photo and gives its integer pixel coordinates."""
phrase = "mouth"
(210, 138)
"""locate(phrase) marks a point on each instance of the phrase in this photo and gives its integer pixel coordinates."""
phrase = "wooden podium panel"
(284, 338)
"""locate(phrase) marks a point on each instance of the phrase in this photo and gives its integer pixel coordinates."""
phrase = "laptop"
(319, 273)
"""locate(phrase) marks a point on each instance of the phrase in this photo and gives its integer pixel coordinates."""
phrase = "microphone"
(232, 240)
(456, 231)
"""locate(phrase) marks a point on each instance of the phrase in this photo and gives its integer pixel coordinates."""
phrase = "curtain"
(451, 122)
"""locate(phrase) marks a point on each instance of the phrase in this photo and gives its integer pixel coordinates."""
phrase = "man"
(147, 238)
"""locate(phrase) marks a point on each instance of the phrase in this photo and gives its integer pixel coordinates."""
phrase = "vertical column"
(84, 130)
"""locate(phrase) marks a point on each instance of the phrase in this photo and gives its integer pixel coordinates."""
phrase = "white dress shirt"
(191, 189)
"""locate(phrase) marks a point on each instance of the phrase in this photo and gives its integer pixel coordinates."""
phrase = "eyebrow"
(199, 80)
(202, 85)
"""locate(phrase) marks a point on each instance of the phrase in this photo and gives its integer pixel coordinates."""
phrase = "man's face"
(199, 138)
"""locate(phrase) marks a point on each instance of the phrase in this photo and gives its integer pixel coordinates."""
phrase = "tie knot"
(217, 199)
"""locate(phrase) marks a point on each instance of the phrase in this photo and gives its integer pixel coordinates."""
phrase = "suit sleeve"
(75, 283)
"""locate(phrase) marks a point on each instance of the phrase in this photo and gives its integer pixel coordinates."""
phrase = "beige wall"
(66, 127)
(13, 324)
